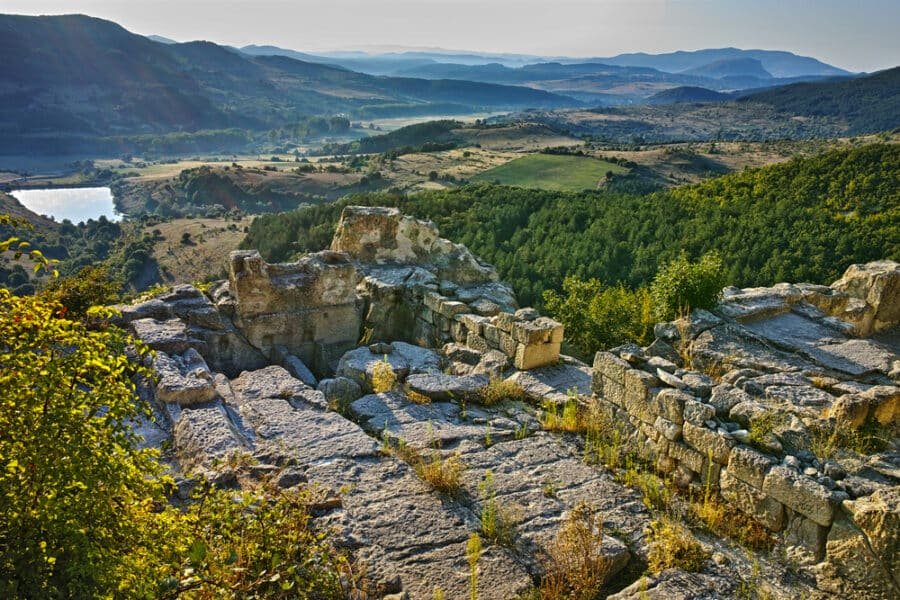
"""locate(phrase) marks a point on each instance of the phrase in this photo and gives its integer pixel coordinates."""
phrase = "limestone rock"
(878, 284)
(183, 379)
(438, 386)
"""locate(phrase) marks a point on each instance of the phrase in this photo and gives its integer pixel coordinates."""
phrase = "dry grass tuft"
(497, 390)
(673, 545)
(576, 567)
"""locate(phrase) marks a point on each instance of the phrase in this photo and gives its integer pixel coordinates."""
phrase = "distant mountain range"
(80, 75)
(70, 78)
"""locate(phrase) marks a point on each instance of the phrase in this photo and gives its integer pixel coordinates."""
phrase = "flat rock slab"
(555, 382)
(425, 426)
(439, 386)
(676, 584)
(204, 433)
(404, 360)
(539, 479)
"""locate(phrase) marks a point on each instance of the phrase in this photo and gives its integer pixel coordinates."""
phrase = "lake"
(75, 204)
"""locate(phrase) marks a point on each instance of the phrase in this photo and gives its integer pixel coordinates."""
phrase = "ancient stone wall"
(388, 277)
(733, 401)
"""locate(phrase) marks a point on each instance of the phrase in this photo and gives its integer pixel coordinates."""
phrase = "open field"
(552, 172)
(205, 255)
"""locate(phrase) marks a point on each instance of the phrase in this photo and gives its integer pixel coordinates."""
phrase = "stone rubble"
(276, 364)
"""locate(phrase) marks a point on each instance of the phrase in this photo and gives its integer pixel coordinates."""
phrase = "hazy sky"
(860, 35)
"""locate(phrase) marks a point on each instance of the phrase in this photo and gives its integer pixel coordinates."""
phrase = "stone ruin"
(738, 399)
(277, 363)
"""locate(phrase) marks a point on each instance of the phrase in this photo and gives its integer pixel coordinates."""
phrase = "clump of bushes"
(576, 566)
(383, 377)
(682, 285)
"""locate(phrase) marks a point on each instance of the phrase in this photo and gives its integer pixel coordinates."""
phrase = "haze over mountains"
(75, 83)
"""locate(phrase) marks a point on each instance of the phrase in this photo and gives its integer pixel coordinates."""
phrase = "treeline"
(436, 133)
(805, 220)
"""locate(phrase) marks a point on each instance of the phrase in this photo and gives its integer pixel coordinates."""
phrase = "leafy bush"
(596, 317)
(91, 286)
(76, 495)
(682, 285)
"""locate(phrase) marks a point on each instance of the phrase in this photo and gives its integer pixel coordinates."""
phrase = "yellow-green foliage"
(75, 493)
(498, 390)
(576, 568)
(82, 510)
(91, 286)
(496, 521)
(473, 553)
(440, 473)
(383, 377)
(598, 317)
(250, 545)
(673, 545)
(681, 285)
(829, 437)
(561, 417)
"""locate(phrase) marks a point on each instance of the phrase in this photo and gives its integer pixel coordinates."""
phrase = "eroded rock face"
(384, 235)
(878, 284)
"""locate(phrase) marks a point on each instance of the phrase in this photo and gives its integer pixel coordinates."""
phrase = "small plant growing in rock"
(561, 417)
(497, 390)
(417, 398)
(673, 545)
(488, 436)
(383, 377)
(473, 553)
(576, 567)
(441, 474)
(496, 522)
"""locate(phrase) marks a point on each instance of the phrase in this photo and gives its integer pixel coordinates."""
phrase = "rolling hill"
(80, 76)
(867, 104)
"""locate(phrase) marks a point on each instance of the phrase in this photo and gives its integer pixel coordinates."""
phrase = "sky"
(858, 35)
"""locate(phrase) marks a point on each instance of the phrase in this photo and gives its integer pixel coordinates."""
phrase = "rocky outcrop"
(271, 374)
(775, 405)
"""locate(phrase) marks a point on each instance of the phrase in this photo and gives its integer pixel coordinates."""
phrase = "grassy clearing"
(554, 172)
(203, 256)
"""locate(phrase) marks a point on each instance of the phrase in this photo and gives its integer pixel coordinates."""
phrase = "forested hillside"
(805, 220)
(867, 104)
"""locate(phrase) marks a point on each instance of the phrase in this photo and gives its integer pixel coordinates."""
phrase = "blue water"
(75, 204)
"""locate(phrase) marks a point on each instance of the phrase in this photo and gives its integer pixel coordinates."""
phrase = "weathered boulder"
(404, 359)
(183, 379)
(385, 235)
(863, 547)
(438, 386)
(878, 284)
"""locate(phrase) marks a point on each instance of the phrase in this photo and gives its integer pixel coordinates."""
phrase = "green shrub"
(682, 285)
(596, 317)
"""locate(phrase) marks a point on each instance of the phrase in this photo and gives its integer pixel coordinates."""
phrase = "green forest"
(804, 220)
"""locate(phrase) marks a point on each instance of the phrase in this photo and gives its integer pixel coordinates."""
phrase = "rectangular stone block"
(556, 329)
(752, 501)
(749, 465)
(505, 321)
(474, 323)
(800, 493)
(688, 457)
(697, 413)
(458, 332)
(529, 332)
(538, 355)
(491, 333)
(708, 442)
(507, 345)
(432, 301)
(476, 342)
(613, 392)
(611, 366)
(807, 534)
(451, 308)
(637, 395)
(426, 314)
(668, 429)
(670, 404)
